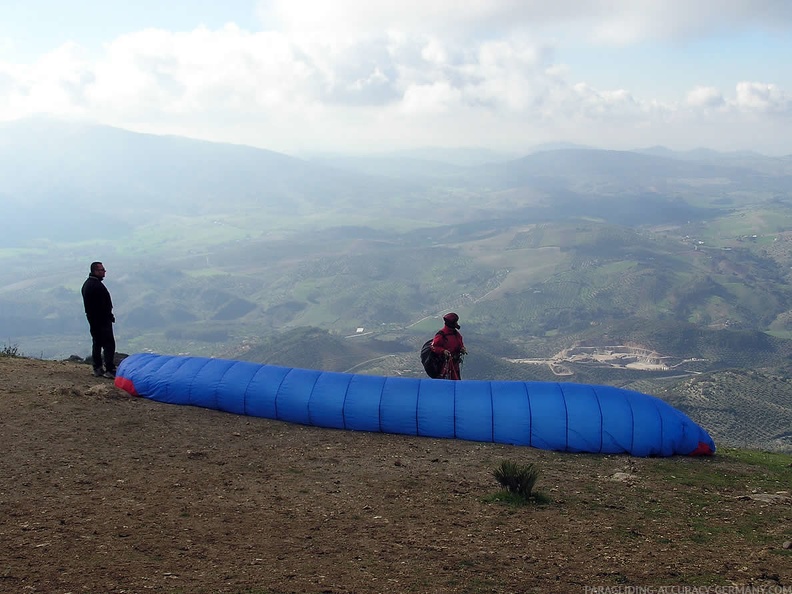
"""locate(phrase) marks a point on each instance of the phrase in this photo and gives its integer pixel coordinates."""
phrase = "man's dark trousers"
(103, 340)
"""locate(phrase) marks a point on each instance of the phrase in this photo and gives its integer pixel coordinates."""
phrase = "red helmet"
(451, 320)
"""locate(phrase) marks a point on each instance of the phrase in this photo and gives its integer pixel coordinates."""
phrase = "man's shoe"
(109, 374)
(98, 372)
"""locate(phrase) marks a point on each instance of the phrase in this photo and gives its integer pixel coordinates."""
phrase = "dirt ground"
(102, 492)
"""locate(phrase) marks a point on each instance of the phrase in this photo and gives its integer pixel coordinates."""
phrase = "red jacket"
(449, 339)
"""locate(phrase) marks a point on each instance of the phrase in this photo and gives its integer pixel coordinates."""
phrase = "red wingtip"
(126, 385)
(703, 449)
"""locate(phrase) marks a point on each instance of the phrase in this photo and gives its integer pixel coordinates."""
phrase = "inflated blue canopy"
(553, 416)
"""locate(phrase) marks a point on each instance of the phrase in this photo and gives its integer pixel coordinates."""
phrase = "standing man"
(99, 310)
(448, 344)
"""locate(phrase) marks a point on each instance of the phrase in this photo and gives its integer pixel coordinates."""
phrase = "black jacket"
(97, 301)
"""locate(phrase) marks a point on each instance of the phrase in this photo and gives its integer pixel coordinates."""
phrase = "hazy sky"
(373, 75)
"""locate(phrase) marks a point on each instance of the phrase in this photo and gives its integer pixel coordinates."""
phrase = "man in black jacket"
(99, 310)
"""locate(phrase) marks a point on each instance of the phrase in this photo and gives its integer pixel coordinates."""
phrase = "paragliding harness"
(436, 366)
(432, 362)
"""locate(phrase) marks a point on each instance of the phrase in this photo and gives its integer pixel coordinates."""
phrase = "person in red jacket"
(448, 343)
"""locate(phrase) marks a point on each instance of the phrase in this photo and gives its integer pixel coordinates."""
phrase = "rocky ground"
(103, 492)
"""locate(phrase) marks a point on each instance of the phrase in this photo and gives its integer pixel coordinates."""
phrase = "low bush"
(518, 479)
(10, 350)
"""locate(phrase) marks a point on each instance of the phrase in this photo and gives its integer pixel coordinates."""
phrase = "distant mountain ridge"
(95, 173)
(699, 154)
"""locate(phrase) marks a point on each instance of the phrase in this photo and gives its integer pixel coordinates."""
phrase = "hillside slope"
(103, 492)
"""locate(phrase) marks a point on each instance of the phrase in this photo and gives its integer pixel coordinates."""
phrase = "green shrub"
(518, 479)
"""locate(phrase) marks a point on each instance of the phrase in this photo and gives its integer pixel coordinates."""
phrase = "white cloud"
(344, 17)
(204, 72)
(626, 22)
(761, 97)
(351, 74)
(616, 22)
(705, 97)
(55, 84)
(590, 104)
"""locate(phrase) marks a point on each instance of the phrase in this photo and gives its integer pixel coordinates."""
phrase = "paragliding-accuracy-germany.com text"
(687, 590)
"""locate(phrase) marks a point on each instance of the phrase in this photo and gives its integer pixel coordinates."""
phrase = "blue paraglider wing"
(554, 416)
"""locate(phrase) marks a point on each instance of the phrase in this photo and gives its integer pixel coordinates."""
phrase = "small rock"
(787, 545)
(765, 498)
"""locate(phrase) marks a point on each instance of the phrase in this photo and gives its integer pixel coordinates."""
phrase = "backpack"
(431, 361)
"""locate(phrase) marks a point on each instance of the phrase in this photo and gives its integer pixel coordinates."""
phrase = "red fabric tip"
(703, 449)
(126, 385)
